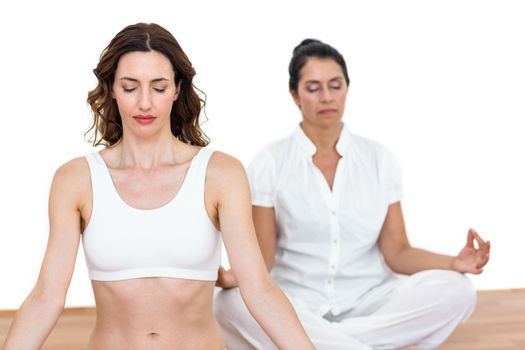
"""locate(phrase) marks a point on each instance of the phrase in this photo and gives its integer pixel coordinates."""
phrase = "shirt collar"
(342, 145)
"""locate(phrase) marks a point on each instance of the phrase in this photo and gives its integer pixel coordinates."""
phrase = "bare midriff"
(155, 313)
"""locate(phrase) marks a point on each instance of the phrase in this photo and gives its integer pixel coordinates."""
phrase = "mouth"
(328, 111)
(144, 119)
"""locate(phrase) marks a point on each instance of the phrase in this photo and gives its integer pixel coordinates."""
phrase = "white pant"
(421, 309)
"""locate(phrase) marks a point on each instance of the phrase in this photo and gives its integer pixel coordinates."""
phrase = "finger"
(485, 248)
(478, 238)
(471, 270)
(229, 281)
(470, 239)
(219, 284)
(476, 270)
(219, 280)
(483, 261)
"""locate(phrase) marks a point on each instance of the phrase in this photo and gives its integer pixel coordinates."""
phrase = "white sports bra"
(177, 240)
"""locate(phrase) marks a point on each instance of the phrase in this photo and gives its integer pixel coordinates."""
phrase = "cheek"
(308, 104)
(342, 98)
(165, 101)
(124, 102)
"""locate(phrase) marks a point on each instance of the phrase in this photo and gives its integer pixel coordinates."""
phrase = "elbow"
(395, 263)
(395, 268)
(257, 287)
(396, 260)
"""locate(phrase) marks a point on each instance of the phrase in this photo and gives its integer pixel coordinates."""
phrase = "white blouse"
(327, 255)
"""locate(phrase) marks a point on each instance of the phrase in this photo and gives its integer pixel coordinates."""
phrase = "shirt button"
(332, 267)
(329, 281)
(333, 213)
(336, 241)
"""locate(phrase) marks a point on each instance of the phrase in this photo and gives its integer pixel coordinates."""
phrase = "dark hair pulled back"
(312, 48)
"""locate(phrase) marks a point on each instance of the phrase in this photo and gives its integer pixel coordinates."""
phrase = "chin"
(329, 122)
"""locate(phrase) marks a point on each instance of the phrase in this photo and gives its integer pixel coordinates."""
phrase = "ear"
(177, 91)
(295, 97)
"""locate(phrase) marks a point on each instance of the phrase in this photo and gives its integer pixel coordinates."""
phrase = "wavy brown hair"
(107, 122)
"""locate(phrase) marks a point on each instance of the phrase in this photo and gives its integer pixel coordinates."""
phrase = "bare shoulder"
(75, 169)
(224, 165)
(225, 172)
(72, 178)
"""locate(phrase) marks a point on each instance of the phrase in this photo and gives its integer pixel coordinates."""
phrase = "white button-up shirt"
(327, 255)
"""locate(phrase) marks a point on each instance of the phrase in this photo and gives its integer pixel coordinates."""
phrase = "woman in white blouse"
(327, 211)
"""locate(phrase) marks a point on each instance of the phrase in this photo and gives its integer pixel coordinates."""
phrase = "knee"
(457, 290)
(464, 292)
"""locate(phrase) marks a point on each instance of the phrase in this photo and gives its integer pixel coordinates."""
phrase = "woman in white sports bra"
(151, 210)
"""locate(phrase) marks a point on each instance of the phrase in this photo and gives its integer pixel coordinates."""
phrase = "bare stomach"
(155, 313)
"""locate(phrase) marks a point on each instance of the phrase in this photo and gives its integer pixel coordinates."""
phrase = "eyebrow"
(136, 81)
(317, 81)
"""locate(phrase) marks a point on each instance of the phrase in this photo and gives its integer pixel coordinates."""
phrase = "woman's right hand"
(226, 279)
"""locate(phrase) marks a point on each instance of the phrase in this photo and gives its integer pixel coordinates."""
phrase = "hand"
(471, 259)
(226, 279)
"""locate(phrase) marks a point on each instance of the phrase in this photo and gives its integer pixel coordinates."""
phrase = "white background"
(440, 83)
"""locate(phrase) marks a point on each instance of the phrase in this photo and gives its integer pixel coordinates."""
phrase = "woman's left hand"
(471, 259)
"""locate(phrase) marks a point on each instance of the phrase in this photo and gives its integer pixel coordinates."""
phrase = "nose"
(145, 100)
(326, 95)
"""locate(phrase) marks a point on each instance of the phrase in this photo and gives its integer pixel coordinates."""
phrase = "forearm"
(412, 260)
(269, 259)
(274, 313)
(33, 322)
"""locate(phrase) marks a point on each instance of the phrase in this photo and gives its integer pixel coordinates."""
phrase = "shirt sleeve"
(391, 177)
(262, 176)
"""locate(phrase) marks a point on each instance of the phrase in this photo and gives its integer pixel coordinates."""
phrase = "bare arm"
(41, 309)
(265, 228)
(401, 257)
(265, 301)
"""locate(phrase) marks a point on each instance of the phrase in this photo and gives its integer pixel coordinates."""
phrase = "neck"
(142, 153)
(324, 139)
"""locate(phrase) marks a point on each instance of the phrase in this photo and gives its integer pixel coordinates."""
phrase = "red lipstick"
(144, 119)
